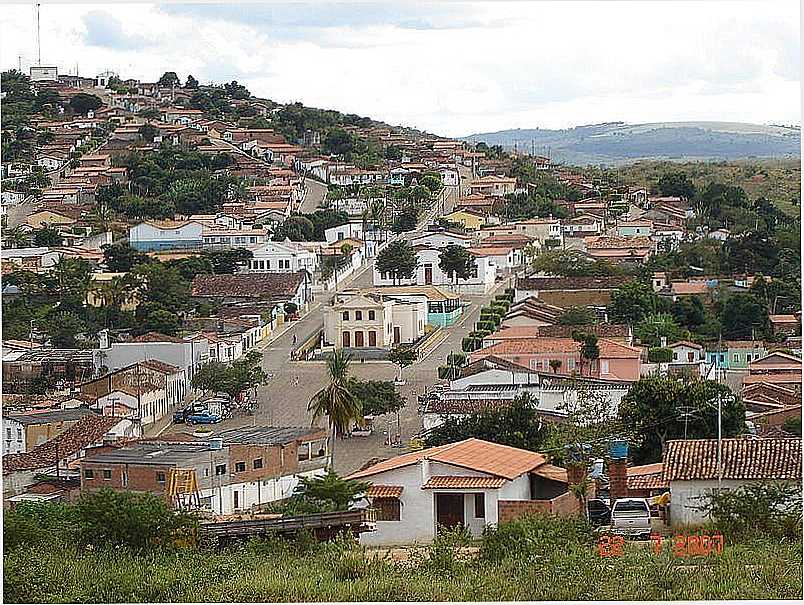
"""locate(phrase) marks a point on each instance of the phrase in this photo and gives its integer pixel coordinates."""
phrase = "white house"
(234, 238)
(449, 176)
(283, 256)
(690, 469)
(148, 403)
(166, 235)
(473, 483)
(480, 281)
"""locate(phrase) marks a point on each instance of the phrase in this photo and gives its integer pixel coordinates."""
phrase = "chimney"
(618, 478)
(425, 470)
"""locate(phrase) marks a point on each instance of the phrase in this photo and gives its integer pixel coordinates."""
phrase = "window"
(388, 509)
(240, 467)
(675, 356)
(480, 506)
(89, 473)
(735, 357)
(304, 451)
(372, 315)
(160, 477)
(8, 433)
(358, 315)
(346, 316)
(19, 434)
(107, 474)
(604, 366)
(257, 463)
(572, 363)
(220, 469)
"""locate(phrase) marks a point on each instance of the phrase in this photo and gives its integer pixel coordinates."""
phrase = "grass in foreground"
(341, 571)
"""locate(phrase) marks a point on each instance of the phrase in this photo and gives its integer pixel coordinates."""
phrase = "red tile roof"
(696, 459)
(572, 283)
(87, 431)
(155, 337)
(609, 349)
(473, 454)
(463, 482)
(647, 476)
(248, 285)
(384, 491)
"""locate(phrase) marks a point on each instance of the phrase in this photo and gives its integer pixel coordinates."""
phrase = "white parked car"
(631, 517)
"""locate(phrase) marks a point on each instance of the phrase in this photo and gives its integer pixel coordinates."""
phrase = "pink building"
(617, 361)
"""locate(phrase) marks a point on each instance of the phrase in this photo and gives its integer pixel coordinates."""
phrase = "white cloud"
(448, 68)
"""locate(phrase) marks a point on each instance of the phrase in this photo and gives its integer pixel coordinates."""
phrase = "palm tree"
(17, 238)
(101, 218)
(336, 401)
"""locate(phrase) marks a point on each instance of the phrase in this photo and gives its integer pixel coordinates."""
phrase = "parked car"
(631, 517)
(203, 418)
(179, 416)
(599, 512)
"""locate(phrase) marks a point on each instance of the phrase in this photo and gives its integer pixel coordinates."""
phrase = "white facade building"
(429, 273)
(283, 256)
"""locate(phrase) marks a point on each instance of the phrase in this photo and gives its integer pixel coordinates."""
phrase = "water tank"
(216, 443)
(618, 449)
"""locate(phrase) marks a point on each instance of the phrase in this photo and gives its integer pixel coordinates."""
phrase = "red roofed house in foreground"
(472, 482)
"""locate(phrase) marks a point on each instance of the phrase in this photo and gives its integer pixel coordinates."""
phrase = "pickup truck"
(631, 517)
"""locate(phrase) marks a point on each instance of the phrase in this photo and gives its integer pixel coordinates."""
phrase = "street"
(283, 401)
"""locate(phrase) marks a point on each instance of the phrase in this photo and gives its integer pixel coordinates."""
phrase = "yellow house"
(471, 221)
(44, 218)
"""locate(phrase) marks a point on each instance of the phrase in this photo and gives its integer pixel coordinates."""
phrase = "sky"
(449, 68)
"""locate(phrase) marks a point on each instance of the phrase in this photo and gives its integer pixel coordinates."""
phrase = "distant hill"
(618, 142)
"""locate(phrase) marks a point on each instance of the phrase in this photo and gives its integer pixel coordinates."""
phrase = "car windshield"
(631, 508)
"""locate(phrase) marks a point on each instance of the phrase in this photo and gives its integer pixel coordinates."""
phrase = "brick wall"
(274, 463)
(507, 510)
(565, 505)
(618, 480)
(140, 477)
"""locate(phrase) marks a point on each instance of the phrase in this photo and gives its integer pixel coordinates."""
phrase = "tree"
(403, 357)
(653, 411)
(456, 262)
(191, 82)
(153, 317)
(652, 328)
(589, 349)
(228, 261)
(233, 379)
(555, 365)
(631, 302)
(516, 425)
(235, 90)
(83, 103)
(689, 311)
(147, 132)
(169, 78)
(325, 494)
(336, 401)
(121, 258)
(63, 329)
(16, 238)
(577, 316)
(376, 397)
(676, 184)
(138, 520)
(743, 317)
(47, 236)
(398, 260)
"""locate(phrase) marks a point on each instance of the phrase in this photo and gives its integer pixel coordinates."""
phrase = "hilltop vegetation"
(618, 142)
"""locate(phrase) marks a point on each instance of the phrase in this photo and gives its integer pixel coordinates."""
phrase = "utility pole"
(38, 39)
(719, 425)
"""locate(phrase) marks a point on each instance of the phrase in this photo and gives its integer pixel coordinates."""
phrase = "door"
(428, 274)
(347, 340)
(359, 338)
(449, 510)
(397, 335)
(236, 500)
(690, 356)
(372, 338)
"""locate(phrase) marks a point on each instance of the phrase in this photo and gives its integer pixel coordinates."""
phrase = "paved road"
(316, 193)
(283, 401)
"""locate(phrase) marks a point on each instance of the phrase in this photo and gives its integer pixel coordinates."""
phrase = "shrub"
(138, 520)
(447, 372)
(485, 325)
(39, 522)
(500, 307)
(441, 551)
(533, 535)
(456, 359)
(761, 510)
(660, 355)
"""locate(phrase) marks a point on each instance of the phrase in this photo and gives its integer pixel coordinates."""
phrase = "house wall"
(483, 283)
(685, 496)
(681, 352)
(146, 237)
(13, 436)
